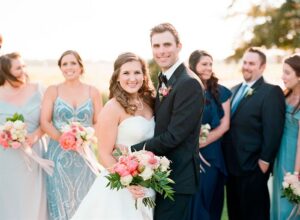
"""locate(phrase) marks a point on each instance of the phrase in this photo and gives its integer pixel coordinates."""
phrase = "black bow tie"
(162, 79)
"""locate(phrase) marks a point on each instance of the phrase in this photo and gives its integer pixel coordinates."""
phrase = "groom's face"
(165, 50)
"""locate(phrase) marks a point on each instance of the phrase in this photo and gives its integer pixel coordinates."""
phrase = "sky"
(102, 29)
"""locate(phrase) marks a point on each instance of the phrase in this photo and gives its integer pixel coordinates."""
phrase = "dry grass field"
(98, 73)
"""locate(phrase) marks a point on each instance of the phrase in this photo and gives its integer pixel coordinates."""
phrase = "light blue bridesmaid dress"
(22, 191)
(285, 162)
(72, 178)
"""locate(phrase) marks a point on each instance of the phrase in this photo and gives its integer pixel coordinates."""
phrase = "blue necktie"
(238, 97)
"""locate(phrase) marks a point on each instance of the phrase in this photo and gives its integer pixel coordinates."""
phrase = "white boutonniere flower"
(249, 92)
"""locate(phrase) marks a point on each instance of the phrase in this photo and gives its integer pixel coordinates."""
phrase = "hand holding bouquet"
(80, 139)
(13, 134)
(142, 168)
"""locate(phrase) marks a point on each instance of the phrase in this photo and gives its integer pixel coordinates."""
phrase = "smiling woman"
(69, 101)
(17, 95)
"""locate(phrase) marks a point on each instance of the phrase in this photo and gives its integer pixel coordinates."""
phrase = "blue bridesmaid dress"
(72, 178)
(285, 162)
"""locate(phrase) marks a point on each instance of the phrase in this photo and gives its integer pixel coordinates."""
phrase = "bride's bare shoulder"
(112, 107)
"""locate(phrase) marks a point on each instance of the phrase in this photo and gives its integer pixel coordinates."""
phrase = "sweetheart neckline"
(137, 116)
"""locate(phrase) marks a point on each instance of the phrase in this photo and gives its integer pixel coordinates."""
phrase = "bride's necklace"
(139, 104)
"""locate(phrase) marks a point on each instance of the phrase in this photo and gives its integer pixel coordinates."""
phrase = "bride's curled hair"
(146, 92)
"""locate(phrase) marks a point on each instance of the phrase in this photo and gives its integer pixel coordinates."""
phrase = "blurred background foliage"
(268, 25)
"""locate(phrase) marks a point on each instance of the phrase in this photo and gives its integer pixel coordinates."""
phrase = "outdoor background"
(41, 30)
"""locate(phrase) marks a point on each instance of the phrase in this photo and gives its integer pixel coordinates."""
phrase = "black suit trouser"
(179, 209)
(248, 196)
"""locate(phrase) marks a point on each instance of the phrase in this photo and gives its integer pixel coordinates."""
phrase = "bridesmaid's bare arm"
(297, 161)
(46, 113)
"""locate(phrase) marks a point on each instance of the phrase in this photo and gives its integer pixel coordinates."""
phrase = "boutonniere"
(249, 92)
(163, 92)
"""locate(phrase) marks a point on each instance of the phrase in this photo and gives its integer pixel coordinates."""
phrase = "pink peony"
(121, 169)
(4, 139)
(16, 144)
(68, 141)
(132, 165)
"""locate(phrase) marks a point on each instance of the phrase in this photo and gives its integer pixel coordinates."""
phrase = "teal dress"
(72, 178)
(22, 191)
(285, 162)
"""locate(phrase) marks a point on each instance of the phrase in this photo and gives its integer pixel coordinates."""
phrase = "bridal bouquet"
(78, 138)
(13, 135)
(145, 169)
(205, 129)
(291, 190)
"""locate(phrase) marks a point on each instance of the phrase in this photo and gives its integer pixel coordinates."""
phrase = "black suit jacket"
(178, 117)
(255, 129)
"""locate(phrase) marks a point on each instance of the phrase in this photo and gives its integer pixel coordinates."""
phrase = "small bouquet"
(78, 138)
(145, 169)
(291, 187)
(205, 129)
(291, 191)
(13, 135)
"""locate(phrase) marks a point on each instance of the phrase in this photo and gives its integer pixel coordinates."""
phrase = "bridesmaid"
(22, 192)
(207, 203)
(68, 101)
(288, 157)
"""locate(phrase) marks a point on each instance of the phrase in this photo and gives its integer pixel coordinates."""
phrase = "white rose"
(206, 127)
(14, 137)
(19, 125)
(164, 164)
(147, 173)
(285, 185)
(126, 180)
(8, 125)
(297, 191)
(89, 132)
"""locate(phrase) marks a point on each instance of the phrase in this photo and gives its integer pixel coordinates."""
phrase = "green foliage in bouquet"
(16, 117)
(290, 195)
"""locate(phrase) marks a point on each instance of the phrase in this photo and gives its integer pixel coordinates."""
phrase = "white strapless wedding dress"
(102, 203)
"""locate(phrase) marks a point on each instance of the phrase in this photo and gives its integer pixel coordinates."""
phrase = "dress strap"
(57, 91)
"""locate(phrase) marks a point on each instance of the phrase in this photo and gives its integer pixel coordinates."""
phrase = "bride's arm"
(106, 129)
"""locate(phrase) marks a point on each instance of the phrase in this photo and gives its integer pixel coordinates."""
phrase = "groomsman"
(178, 112)
(251, 144)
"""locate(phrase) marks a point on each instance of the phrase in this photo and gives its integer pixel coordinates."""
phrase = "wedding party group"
(167, 153)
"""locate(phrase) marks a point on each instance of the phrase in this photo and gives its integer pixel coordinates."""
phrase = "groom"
(178, 111)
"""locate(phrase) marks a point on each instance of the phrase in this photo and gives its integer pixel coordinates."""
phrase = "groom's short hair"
(163, 27)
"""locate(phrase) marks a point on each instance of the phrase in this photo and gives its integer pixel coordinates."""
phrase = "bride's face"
(131, 77)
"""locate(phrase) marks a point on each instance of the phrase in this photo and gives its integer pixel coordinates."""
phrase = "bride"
(126, 119)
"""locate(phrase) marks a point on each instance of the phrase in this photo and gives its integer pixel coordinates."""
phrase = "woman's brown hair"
(212, 83)
(146, 92)
(5, 66)
(294, 63)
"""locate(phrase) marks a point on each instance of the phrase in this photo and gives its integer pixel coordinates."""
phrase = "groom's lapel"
(170, 84)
